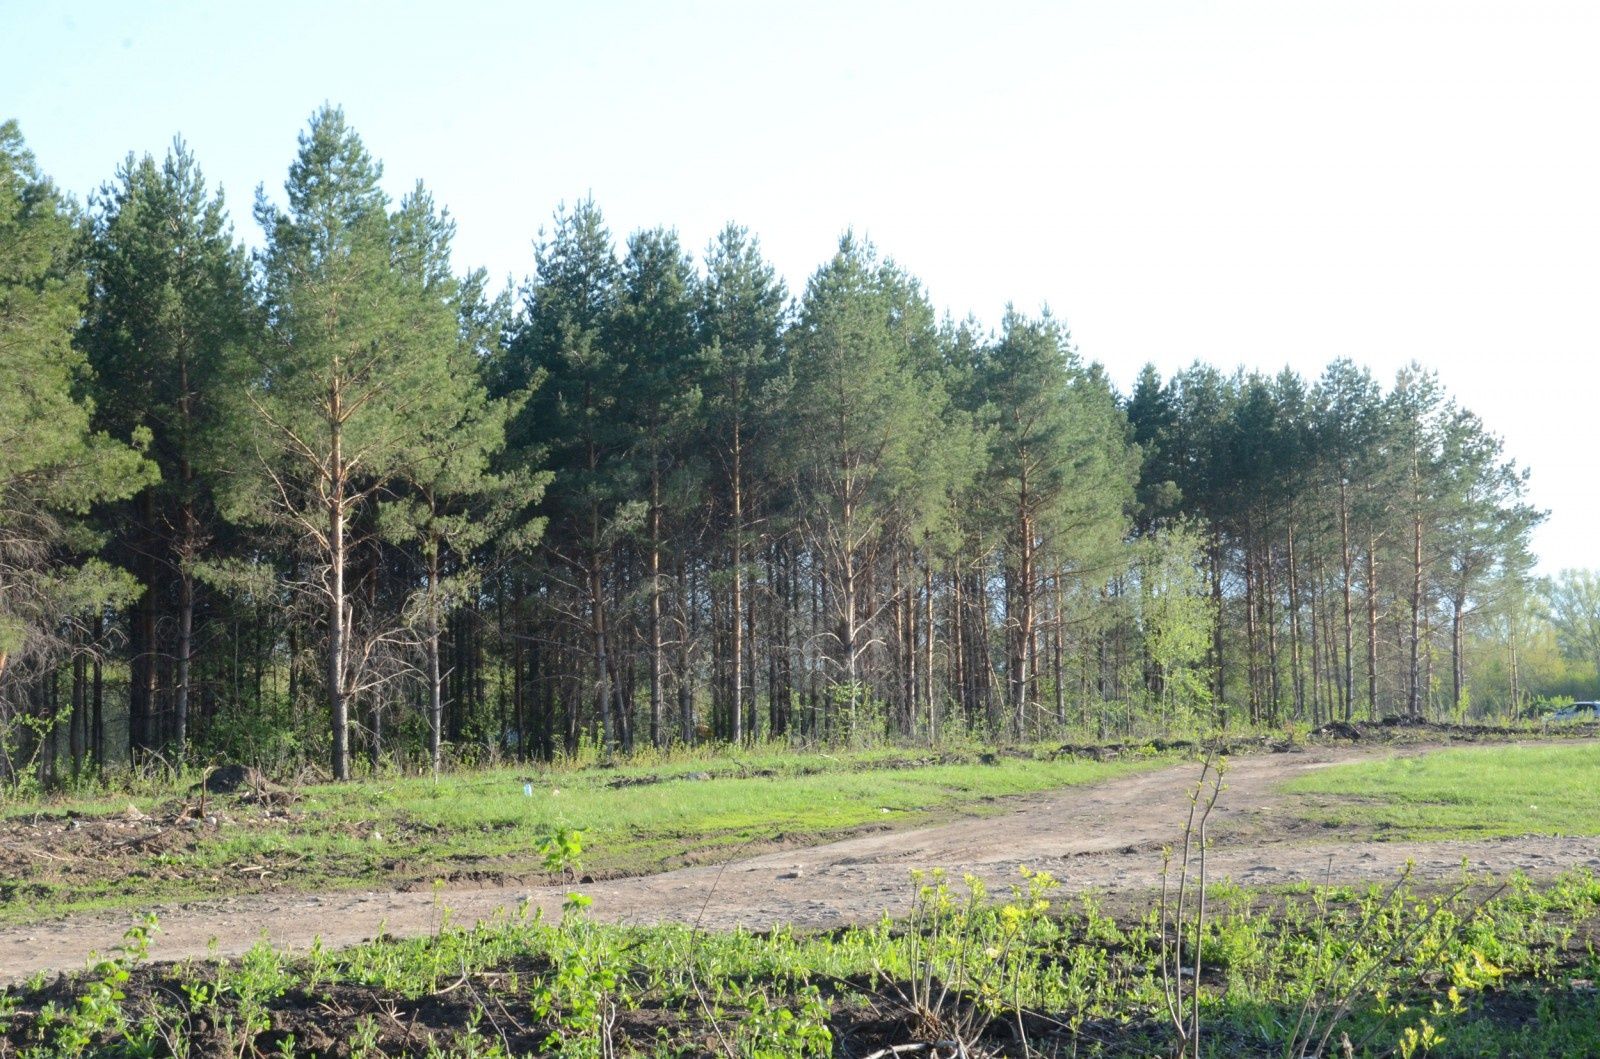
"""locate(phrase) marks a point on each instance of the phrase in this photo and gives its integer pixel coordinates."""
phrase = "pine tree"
(1419, 410)
(1483, 533)
(356, 355)
(741, 371)
(1058, 470)
(576, 420)
(53, 466)
(862, 423)
(1202, 402)
(1152, 419)
(168, 319)
(450, 502)
(1346, 423)
(654, 334)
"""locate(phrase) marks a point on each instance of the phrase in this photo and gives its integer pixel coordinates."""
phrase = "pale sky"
(1268, 183)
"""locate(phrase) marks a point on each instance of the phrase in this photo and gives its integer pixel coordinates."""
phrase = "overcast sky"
(1254, 184)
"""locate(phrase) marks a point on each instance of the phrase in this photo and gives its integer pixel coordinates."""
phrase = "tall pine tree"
(169, 317)
(357, 352)
(53, 465)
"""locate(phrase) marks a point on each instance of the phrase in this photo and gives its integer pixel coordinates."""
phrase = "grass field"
(1477, 792)
(79, 853)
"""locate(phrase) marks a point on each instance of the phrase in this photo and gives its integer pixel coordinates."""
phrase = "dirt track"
(1107, 837)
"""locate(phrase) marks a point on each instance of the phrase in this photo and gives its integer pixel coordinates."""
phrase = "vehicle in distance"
(1578, 711)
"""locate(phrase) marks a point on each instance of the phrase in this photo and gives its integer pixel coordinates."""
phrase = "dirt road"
(1108, 837)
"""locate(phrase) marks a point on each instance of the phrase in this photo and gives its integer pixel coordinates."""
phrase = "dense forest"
(331, 501)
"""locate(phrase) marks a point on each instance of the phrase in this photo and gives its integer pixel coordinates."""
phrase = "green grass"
(1397, 972)
(412, 830)
(1481, 792)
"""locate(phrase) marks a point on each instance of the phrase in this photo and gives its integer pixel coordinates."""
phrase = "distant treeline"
(331, 500)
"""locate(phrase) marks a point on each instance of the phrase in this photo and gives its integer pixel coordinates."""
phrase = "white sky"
(1268, 183)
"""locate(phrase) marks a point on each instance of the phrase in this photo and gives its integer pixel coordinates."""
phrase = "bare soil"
(43, 853)
(1108, 838)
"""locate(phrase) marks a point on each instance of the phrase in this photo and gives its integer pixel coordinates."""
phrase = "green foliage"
(1057, 453)
(1573, 602)
(740, 361)
(571, 307)
(362, 320)
(386, 488)
(866, 428)
(99, 1011)
(576, 999)
(51, 457)
(562, 851)
(364, 381)
(54, 465)
(168, 318)
(1422, 973)
(1176, 616)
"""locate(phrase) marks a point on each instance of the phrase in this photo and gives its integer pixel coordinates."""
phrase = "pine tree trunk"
(97, 717)
(847, 634)
(1058, 668)
(519, 685)
(927, 634)
(904, 648)
(1218, 674)
(189, 545)
(775, 597)
(1318, 713)
(1414, 680)
(1372, 628)
(958, 646)
(685, 688)
(294, 669)
(1026, 625)
(185, 642)
(1269, 602)
(602, 659)
(78, 722)
(1252, 663)
(52, 740)
(338, 707)
(820, 708)
(1428, 705)
(572, 696)
(501, 723)
(736, 606)
(1333, 686)
(1457, 672)
(1346, 565)
(1022, 627)
(1297, 677)
(142, 694)
(752, 717)
(435, 681)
